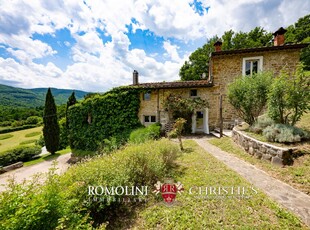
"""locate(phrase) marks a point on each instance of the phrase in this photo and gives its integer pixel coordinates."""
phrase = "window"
(147, 96)
(193, 92)
(252, 65)
(149, 119)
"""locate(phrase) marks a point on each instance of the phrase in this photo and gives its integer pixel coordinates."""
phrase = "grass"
(5, 136)
(47, 157)
(27, 142)
(18, 137)
(198, 168)
(304, 122)
(297, 175)
(33, 134)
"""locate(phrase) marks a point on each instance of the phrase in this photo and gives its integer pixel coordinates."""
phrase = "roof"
(261, 49)
(175, 85)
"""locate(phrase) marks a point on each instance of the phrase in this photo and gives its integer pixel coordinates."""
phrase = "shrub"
(261, 123)
(289, 97)
(248, 95)
(17, 124)
(143, 134)
(40, 141)
(18, 154)
(63, 201)
(284, 133)
(5, 123)
(8, 130)
(33, 120)
(37, 206)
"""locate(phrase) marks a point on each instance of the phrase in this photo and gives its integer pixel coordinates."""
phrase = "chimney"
(135, 77)
(279, 38)
(218, 45)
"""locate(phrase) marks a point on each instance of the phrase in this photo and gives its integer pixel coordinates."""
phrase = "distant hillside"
(18, 97)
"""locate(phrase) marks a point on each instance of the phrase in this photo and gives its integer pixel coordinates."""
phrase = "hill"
(18, 97)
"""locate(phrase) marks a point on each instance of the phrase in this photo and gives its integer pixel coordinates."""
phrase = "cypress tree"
(71, 101)
(51, 126)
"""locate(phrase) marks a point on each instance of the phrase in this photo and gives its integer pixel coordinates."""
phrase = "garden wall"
(261, 150)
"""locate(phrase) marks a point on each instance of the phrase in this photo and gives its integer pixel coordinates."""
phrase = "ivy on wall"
(98, 117)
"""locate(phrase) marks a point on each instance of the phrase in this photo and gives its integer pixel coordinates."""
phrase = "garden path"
(290, 198)
(29, 171)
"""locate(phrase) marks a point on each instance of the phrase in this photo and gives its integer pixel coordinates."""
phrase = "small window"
(149, 119)
(252, 65)
(147, 96)
(193, 93)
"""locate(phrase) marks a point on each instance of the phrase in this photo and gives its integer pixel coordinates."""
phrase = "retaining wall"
(261, 150)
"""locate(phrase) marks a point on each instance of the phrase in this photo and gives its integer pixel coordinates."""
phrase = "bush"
(63, 134)
(18, 154)
(248, 95)
(5, 123)
(33, 120)
(143, 134)
(40, 142)
(63, 201)
(285, 133)
(17, 124)
(261, 123)
(289, 97)
(8, 130)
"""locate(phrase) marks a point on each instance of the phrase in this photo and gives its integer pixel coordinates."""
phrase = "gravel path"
(27, 172)
(292, 199)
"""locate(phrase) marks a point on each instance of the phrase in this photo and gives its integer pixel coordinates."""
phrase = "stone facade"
(225, 67)
(154, 106)
(262, 150)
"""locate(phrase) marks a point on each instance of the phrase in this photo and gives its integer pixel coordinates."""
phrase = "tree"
(177, 130)
(180, 107)
(198, 62)
(248, 95)
(51, 126)
(71, 101)
(289, 97)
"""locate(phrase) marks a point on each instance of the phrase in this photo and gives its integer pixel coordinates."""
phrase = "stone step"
(226, 132)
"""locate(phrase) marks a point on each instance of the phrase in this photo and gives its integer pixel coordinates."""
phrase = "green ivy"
(114, 113)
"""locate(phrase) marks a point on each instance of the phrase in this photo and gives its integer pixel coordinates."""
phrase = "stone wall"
(261, 150)
(225, 68)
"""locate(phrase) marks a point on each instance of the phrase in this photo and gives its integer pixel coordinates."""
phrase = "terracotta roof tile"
(261, 49)
(176, 84)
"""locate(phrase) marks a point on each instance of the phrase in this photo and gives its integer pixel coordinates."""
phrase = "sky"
(95, 45)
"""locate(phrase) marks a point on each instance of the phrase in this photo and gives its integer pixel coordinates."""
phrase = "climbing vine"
(179, 106)
(99, 117)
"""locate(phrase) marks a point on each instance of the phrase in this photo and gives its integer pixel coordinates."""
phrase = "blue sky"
(95, 45)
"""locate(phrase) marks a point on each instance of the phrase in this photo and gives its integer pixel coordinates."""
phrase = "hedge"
(13, 129)
(18, 154)
(99, 117)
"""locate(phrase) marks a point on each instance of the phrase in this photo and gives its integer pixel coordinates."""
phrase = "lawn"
(47, 157)
(25, 137)
(198, 168)
(297, 175)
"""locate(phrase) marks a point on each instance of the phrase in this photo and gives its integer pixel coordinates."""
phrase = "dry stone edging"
(287, 196)
(261, 150)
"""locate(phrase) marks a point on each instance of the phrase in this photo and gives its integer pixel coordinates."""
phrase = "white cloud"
(99, 66)
(172, 51)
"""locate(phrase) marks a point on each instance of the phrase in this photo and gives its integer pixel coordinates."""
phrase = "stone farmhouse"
(224, 67)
